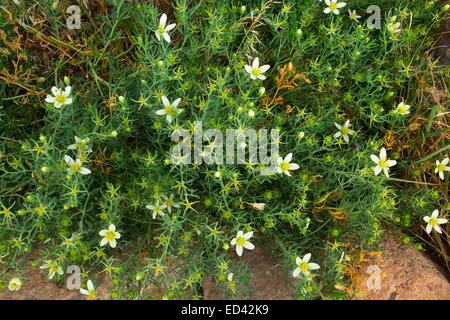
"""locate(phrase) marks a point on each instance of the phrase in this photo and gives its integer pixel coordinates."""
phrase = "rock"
(405, 274)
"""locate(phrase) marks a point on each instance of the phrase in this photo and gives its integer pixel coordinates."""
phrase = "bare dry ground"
(406, 274)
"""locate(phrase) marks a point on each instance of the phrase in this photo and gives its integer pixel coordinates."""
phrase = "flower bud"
(139, 276)
(261, 91)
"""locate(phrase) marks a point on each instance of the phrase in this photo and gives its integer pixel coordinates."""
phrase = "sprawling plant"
(87, 169)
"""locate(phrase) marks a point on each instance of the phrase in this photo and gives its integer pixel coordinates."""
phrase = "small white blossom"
(241, 242)
(90, 292)
(80, 144)
(402, 109)
(285, 165)
(109, 236)
(353, 15)
(170, 203)
(434, 221)
(163, 30)
(157, 209)
(14, 284)
(53, 268)
(441, 167)
(75, 166)
(344, 131)
(304, 266)
(383, 163)
(394, 27)
(333, 6)
(258, 205)
(170, 109)
(255, 71)
(60, 97)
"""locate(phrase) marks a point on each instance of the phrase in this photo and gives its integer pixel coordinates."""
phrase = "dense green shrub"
(324, 69)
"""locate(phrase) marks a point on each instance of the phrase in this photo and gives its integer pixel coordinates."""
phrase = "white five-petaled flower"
(333, 6)
(284, 165)
(170, 109)
(109, 236)
(402, 109)
(241, 242)
(170, 203)
(60, 97)
(90, 292)
(163, 30)
(53, 268)
(353, 15)
(434, 221)
(75, 166)
(441, 167)
(304, 266)
(157, 209)
(14, 284)
(383, 163)
(344, 131)
(394, 27)
(80, 144)
(255, 71)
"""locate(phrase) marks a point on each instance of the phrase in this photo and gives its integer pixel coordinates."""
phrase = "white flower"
(163, 29)
(241, 242)
(258, 205)
(14, 284)
(157, 209)
(304, 266)
(109, 236)
(383, 163)
(344, 131)
(441, 167)
(285, 165)
(75, 166)
(394, 27)
(230, 277)
(170, 203)
(90, 292)
(434, 222)
(255, 71)
(53, 268)
(80, 144)
(353, 15)
(170, 109)
(402, 109)
(333, 6)
(59, 98)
